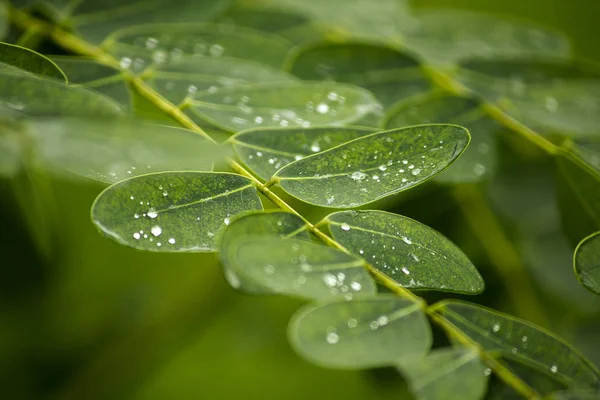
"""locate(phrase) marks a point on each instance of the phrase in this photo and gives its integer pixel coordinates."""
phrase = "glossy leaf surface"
(29, 60)
(539, 349)
(265, 151)
(173, 211)
(364, 333)
(269, 223)
(587, 263)
(299, 268)
(447, 374)
(374, 166)
(412, 254)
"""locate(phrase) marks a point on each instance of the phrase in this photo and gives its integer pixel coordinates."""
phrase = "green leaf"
(30, 95)
(112, 150)
(578, 191)
(30, 61)
(447, 374)
(588, 150)
(139, 46)
(11, 146)
(446, 36)
(4, 24)
(173, 211)
(575, 394)
(587, 263)
(479, 160)
(283, 104)
(266, 223)
(412, 254)
(299, 268)
(367, 332)
(389, 74)
(525, 342)
(266, 150)
(374, 166)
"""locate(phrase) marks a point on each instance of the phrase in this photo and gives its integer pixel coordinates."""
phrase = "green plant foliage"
(29, 60)
(365, 333)
(3, 19)
(573, 395)
(112, 150)
(412, 254)
(374, 166)
(479, 160)
(299, 268)
(283, 224)
(266, 150)
(173, 211)
(587, 263)
(526, 343)
(446, 374)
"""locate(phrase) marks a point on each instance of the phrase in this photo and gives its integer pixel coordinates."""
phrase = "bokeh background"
(84, 318)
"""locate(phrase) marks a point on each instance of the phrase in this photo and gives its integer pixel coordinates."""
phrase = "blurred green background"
(84, 318)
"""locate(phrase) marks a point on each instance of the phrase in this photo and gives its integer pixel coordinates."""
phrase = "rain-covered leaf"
(447, 374)
(479, 160)
(370, 331)
(283, 104)
(30, 95)
(268, 223)
(389, 74)
(173, 211)
(373, 166)
(266, 150)
(165, 43)
(445, 36)
(30, 61)
(587, 262)
(113, 150)
(298, 267)
(412, 254)
(578, 191)
(523, 341)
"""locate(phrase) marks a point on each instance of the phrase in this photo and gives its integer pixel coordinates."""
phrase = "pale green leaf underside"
(283, 104)
(374, 166)
(497, 332)
(410, 253)
(113, 150)
(587, 263)
(267, 223)
(447, 374)
(30, 61)
(166, 43)
(173, 211)
(299, 268)
(266, 150)
(364, 333)
(479, 160)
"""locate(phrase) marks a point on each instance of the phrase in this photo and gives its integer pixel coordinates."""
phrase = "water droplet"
(216, 50)
(172, 241)
(406, 240)
(524, 339)
(405, 270)
(382, 167)
(551, 104)
(137, 236)
(322, 108)
(356, 286)
(330, 280)
(373, 325)
(269, 269)
(332, 338)
(352, 323)
(152, 213)
(156, 230)
(136, 216)
(496, 327)
(554, 369)
(416, 171)
(345, 227)
(330, 200)
(382, 320)
(487, 372)
(358, 176)
(125, 63)
(315, 147)
(226, 221)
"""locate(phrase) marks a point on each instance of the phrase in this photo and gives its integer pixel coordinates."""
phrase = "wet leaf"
(267, 223)
(30, 61)
(367, 332)
(113, 150)
(157, 44)
(479, 160)
(30, 95)
(266, 150)
(374, 166)
(445, 36)
(283, 104)
(299, 268)
(587, 263)
(173, 211)
(523, 341)
(447, 374)
(389, 74)
(412, 254)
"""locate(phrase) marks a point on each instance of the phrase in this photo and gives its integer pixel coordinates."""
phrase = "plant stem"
(80, 47)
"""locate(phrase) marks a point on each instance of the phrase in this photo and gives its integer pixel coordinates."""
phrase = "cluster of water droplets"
(333, 337)
(155, 233)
